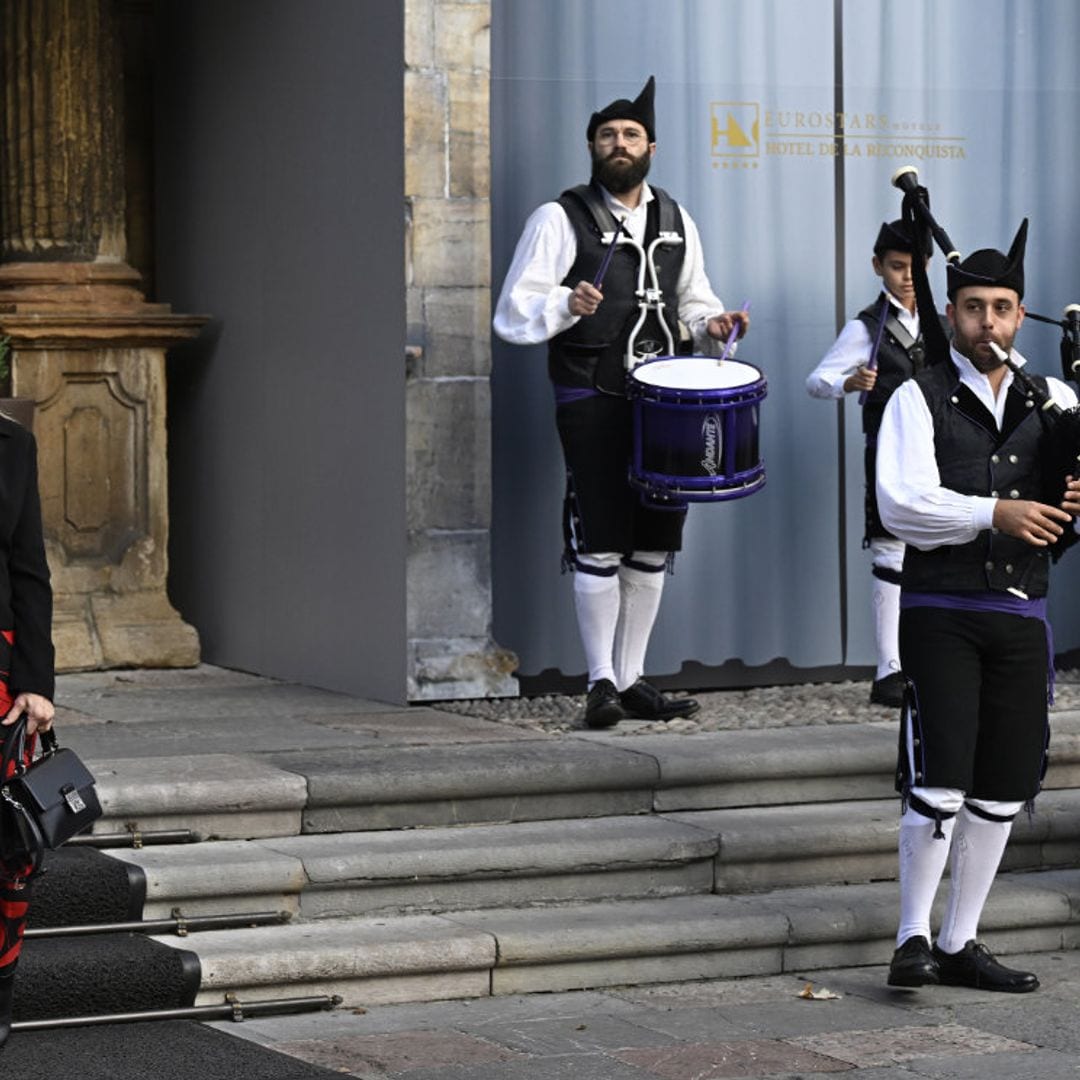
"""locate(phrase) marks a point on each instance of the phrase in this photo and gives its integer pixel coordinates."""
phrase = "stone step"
(392, 872)
(512, 950)
(588, 775)
(855, 841)
(422, 871)
(741, 850)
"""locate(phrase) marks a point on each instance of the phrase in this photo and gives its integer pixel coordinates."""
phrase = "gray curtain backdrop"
(980, 95)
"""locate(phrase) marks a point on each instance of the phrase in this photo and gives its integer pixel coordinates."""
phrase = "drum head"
(695, 373)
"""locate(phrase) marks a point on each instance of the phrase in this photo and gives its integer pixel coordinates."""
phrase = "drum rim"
(751, 481)
(732, 361)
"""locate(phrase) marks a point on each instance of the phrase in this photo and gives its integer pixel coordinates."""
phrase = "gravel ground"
(722, 710)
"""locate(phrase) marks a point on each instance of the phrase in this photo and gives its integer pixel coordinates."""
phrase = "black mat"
(102, 973)
(166, 1050)
(80, 886)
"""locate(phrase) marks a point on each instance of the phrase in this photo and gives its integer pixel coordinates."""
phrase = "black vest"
(896, 362)
(975, 459)
(591, 353)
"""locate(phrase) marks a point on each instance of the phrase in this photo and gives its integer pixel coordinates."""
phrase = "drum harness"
(649, 295)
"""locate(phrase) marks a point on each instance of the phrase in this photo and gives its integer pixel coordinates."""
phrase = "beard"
(981, 357)
(621, 174)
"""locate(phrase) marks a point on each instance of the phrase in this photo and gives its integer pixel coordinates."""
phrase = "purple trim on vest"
(1002, 603)
(566, 395)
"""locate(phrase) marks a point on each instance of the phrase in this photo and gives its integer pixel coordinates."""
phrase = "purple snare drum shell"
(695, 430)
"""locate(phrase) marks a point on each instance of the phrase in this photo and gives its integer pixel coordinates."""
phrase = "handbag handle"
(15, 746)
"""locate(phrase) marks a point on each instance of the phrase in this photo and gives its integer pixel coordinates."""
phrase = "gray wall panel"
(279, 165)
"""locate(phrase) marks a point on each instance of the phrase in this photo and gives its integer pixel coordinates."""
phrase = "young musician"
(961, 480)
(617, 548)
(872, 357)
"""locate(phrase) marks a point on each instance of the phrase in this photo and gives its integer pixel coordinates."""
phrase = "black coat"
(25, 592)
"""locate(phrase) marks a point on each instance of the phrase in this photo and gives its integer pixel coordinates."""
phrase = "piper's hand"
(1034, 522)
(39, 712)
(1071, 502)
(863, 378)
(719, 326)
(585, 299)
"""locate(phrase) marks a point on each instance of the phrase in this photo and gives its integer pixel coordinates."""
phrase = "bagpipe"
(1060, 447)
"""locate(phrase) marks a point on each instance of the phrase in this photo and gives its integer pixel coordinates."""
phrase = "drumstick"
(731, 336)
(871, 364)
(619, 227)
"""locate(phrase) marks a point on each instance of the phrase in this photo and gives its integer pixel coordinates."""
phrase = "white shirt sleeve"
(1062, 394)
(533, 305)
(851, 348)
(913, 503)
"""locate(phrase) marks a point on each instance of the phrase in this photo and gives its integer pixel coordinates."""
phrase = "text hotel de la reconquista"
(743, 133)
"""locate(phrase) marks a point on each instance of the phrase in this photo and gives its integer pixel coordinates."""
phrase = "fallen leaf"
(811, 994)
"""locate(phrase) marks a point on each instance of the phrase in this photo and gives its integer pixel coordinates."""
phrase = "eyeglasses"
(632, 136)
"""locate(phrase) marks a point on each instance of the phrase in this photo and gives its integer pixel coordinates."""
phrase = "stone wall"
(448, 358)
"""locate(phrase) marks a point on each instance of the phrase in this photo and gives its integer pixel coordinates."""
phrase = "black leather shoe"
(888, 691)
(974, 965)
(645, 702)
(913, 964)
(602, 708)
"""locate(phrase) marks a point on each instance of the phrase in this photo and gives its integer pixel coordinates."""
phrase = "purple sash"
(565, 395)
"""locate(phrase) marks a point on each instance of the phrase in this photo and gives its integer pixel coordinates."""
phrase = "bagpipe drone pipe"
(1060, 445)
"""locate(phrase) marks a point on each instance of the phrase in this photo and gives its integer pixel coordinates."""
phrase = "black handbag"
(45, 803)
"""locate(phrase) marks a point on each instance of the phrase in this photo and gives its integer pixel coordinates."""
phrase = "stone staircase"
(523, 862)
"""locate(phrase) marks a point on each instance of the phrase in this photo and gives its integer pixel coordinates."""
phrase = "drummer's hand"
(1071, 502)
(38, 709)
(585, 299)
(719, 326)
(863, 378)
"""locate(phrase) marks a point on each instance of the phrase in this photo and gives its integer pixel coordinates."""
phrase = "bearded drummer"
(572, 285)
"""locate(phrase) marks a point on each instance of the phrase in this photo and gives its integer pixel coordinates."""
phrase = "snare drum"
(695, 430)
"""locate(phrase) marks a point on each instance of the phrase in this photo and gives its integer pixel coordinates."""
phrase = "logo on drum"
(713, 437)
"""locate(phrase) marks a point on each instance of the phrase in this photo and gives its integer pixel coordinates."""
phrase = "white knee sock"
(977, 848)
(922, 862)
(886, 601)
(888, 556)
(640, 592)
(596, 600)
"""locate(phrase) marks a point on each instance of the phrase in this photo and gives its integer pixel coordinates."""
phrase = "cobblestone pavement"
(754, 1027)
(721, 710)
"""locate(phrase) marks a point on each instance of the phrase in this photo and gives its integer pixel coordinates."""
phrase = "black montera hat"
(896, 236)
(988, 266)
(640, 109)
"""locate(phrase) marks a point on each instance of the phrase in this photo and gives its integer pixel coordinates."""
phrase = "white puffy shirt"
(533, 305)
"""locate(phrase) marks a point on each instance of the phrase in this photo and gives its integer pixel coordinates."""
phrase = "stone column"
(87, 348)
(448, 362)
(61, 163)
